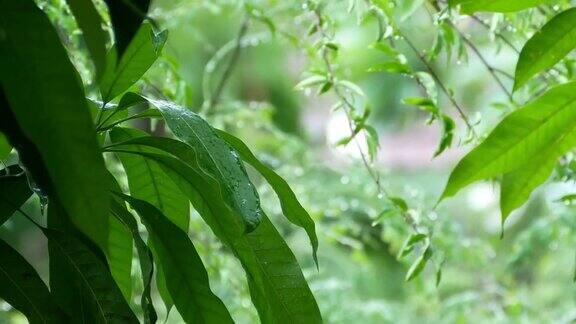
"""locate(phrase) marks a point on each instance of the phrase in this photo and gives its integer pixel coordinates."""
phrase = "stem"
(215, 98)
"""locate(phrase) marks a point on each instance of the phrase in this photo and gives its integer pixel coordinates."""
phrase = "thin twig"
(215, 98)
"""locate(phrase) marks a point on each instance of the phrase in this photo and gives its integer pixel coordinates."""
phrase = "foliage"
(95, 125)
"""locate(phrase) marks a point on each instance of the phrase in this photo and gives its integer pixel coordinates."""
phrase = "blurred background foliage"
(473, 275)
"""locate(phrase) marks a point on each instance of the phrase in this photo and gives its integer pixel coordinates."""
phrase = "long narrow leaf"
(23, 289)
(291, 207)
(186, 277)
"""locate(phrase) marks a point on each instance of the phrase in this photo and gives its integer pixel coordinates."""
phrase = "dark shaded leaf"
(145, 258)
(185, 275)
(291, 207)
(98, 298)
(5, 147)
(126, 16)
(59, 126)
(23, 289)
(14, 191)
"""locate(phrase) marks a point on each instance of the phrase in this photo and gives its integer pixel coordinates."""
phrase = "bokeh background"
(524, 277)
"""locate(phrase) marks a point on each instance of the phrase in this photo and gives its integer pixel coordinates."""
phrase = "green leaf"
(517, 185)
(14, 191)
(271, 267)
(59, 126)
(186, 277)
(23, 289)
(419, 264)
(291, 207)
(448, 127)
(101, 300)
(148, 182)
(126, 16)
(472, 6)
(142, 52)
(5, 147)
(410, 243)
(145, 258)
(90, 22)
(520, 137)
(547, 47)
(215, 157)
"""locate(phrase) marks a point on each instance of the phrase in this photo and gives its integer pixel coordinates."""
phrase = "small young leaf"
(419, 264)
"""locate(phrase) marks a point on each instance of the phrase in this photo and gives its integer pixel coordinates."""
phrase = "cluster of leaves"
(66, 143)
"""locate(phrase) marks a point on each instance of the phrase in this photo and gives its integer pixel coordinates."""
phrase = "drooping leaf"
(547, 47)
(23, 289)
(519, 138)
(215, 157)
(419, 264)
(185, 275)
(90, 22)
(517, 185)
(80, 275)
(100, 299)
(126, 16)
(291, 207)
(147, 181)
(448, 127)
(472, 6)
(59, 126)
(142, 52)
(14, 191)
(146, 261)
(271, 267)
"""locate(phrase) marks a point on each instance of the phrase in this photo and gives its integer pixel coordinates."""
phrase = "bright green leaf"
(472, 6)
(520, 137)
(547, 47)
(142, 52)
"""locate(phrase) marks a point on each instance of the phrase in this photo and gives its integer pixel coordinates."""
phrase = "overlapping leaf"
(14, 191)
(185, 275)
(278, 288)
(291, 207)
(547, 47)
(59, 126)
(139, 56)
(126, 16)
(23, 289)
(520, 137)
(216, 158)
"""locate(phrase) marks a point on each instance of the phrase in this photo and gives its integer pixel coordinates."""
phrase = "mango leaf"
(291, 207)
(142, 52)
(472, 6)
(14, 191)
(101, 300)
(90, 22)
(147, 181)
(216, 158)
(5, 147)
(520, 137)
(59, 127)
(271, 267)
(126, 16)
(146, 261)
(185, 275)
(517, 185)
(547, 47)
(23, 289)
